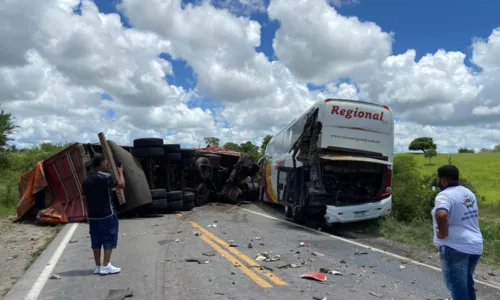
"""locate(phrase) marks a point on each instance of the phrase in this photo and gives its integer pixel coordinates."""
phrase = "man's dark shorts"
(104, 232)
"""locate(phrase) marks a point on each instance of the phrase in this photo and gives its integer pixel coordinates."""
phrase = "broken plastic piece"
(317, 254)
(314, 275)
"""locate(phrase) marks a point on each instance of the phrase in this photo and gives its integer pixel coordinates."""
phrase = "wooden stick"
(108, 155)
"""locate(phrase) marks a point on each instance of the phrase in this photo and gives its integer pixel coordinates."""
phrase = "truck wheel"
(188, 201)
(204, 167)
(148, 152)
(174, 196)
(172, 148)
(159, 194)
(202, 193)
(159, 204)
(175, 205)
(288, 212)
(148, 142)
(298, 215)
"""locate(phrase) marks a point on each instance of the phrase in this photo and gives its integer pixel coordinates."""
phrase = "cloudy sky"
(241, 69)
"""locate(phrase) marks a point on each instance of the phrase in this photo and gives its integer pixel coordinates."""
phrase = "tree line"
(248, 148)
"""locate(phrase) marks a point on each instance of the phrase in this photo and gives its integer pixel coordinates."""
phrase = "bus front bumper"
(355, 213)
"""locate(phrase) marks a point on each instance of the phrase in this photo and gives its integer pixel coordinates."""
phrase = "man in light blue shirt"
(457, 233)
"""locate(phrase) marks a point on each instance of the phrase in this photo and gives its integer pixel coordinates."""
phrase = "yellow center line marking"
(261, 282)
(248, 260)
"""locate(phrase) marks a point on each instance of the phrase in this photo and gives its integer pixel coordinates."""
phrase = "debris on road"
(318, 298)
(267, 257)
(317, 254)
(360, 253)
(198, 260)
(314, 275)
(73, 241)
(177, 240)
(212, 225)
(401, 267)
(293, 266)
(55, 276)
(302, 244)
(233, 245)
(197, 234)
(258, 238)
(375, 295)
(250, 246)
(211, 253)
(119, 294)
(262, 268)
(328, 271)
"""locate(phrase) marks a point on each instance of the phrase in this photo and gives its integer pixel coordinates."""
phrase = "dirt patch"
(484, 272)
(20, 246)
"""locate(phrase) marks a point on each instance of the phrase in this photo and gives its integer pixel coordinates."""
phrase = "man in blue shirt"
(101, 215)
(457, 233)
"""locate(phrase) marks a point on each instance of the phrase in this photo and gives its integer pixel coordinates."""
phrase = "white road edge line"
(40, 282)
(494, 286)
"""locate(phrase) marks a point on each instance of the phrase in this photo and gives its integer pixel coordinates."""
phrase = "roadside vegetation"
(413, 197)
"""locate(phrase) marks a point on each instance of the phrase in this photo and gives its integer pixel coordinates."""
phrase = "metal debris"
(360, 253)
(293, 266)
(258, 238)
(55, 276)
(317, 254)
(375, 295)
(211, 253)
(198, 260)
(233, 245)
(318, 298)
(267, 257)
(328, 271)
(314, 275)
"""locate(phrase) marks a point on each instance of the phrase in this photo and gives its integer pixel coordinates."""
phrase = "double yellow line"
(221, 246)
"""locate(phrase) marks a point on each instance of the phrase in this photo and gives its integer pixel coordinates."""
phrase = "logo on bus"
(356, 113)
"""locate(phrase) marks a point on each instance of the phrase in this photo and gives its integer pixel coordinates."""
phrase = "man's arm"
(84, 199)
(443, 207)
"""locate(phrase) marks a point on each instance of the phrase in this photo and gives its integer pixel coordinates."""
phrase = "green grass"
(481, 169)
(418, 232)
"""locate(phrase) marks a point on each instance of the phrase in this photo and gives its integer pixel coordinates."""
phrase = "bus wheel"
(288, 211)
(297, 214)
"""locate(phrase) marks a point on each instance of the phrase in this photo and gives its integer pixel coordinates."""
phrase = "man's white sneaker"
(109, 269)
(97, 269)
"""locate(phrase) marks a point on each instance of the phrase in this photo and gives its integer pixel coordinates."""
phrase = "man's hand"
(120, 169)
(440, 235)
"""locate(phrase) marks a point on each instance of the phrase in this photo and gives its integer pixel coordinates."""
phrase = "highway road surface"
(152, 253)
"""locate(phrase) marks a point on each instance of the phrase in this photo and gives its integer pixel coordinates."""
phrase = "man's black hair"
(449, 172)
(97, 161)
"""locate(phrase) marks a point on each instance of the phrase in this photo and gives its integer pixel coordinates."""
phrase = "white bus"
(334, 161)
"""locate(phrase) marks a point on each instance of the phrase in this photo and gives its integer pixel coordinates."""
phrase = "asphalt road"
(152, 254)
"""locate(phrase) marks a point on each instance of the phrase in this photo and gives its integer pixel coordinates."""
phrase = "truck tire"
(148, 152)
(173, 157)
(159, 204)
(202, 194)
(159, 194)
(172, 148)
(175, 205)
(188, 153)
(148, 142)
(174, 196)
(188, 197)
(204, 167)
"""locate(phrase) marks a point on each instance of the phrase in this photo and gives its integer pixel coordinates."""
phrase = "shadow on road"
(77, 273)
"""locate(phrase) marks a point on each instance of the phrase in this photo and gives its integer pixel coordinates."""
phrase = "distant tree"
(265, 141)
(7, 127)
(485, 150)
(211, 141)
(496, 148)
(250, 149)
(465, 150)
(430, 153)
(232, 146)
(421, 144)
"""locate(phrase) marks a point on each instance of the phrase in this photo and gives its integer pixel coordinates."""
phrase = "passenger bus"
(334, 161)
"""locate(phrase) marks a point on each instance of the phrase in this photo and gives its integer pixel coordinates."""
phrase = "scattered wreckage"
(160, 177)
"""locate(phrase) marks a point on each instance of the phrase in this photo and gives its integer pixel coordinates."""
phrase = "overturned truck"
(160, 177)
